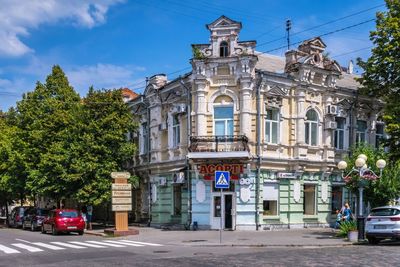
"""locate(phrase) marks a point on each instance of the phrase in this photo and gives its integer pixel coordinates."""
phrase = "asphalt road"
(25, 248)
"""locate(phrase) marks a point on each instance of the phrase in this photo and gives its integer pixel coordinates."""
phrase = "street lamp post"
(365, 173)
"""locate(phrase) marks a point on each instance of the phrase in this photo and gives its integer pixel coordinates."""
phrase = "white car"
(382, 223)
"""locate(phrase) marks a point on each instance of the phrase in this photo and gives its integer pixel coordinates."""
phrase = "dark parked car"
(16, 217)
(34, 218)
(63, 220)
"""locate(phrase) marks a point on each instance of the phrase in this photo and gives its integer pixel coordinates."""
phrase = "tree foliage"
(377, 191)
(381, 76)
(66, 147)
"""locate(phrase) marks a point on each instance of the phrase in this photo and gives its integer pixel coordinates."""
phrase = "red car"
(63, 220)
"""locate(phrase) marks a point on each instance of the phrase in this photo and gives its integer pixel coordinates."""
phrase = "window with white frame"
(311, 128)
(379, 134)
(272, 125)
(145, 138)
(339, 133)
(223, 120)
(361, 133)
(176, 131)
(309, 199)
(270, 199)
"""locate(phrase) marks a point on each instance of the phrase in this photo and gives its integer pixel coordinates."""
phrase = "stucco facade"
(279, 125)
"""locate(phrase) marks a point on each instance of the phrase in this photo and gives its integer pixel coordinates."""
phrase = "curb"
(95, 233)
(273, 246)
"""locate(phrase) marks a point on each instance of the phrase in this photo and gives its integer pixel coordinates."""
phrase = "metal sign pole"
(220, 219)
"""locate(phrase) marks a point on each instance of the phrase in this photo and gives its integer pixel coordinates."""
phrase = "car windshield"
(68, 214)
(41, 212)
(385, 212)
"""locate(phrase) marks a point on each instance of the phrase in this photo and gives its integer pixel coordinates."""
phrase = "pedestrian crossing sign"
(222, 179)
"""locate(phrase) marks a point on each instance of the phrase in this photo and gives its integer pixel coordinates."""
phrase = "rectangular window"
(309, 200)
(145, 138)
(379, 135)
(270, 199)
(361, 134)
(223, 120)
(339, 133)
(177, 199)
(176, 131)
(336, 199)
(272, 126)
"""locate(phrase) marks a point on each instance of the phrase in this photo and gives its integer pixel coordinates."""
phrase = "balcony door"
(223, 126)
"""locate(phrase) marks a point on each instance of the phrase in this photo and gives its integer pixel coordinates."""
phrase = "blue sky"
(117, 43)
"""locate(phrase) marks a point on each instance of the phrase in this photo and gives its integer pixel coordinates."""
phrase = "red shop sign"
(208, 170)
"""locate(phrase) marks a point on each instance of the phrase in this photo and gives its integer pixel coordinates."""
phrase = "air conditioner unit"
(180, 108)
(332, 110)
(163, 126)
(179, 178)
(330, 125)
(162, 181)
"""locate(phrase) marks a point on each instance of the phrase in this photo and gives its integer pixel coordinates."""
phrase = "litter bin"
(195, 226)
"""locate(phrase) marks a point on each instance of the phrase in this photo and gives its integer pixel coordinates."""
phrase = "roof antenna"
(288, 28)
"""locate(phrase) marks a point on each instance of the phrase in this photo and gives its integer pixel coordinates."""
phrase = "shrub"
(346, 227)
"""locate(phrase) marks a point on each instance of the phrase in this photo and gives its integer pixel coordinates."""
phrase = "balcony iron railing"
(219, 143)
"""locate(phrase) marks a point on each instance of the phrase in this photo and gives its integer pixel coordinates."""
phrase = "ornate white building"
(279, 125)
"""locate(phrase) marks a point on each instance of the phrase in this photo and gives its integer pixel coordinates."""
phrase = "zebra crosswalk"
(33, 247)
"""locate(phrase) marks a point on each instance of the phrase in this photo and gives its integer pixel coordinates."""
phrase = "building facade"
(278, 125)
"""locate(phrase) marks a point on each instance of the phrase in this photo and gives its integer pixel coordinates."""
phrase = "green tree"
(47, 119)
(377, 191)
(102, 146)
(382, 71)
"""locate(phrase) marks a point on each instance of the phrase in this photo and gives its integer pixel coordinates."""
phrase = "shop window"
(272, 126)
(311, 128)
(177, 199)
(339, 133)
(176, 131)
(223, 120)
(309, 200)
(337, 203)
(361, 133)
(217, 206)
(270, 196)
(223, 49)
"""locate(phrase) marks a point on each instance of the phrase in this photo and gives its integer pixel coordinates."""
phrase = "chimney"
(350, 67)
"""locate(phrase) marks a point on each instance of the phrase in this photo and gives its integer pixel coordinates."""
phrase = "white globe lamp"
(342, 165)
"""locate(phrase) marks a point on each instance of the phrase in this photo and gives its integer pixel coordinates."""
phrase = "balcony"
(221, 146)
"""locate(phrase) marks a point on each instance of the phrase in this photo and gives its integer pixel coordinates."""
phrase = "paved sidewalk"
(317, 237)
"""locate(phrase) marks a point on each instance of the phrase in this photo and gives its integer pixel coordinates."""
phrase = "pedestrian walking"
(84, 215)
(347, 214)
(89, 214)
(338, 219)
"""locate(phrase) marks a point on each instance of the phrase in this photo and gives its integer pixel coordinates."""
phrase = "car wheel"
(33, 226)
(80, 232)
(373, 240)
(43, 231)
(54, 231)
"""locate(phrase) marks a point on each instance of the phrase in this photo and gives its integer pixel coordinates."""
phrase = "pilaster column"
(201, 108)
(245, 107)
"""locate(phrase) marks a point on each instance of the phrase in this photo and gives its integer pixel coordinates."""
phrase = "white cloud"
(104, 76)
(18, 18)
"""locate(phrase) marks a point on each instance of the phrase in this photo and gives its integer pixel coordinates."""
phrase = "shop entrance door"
(224, 207)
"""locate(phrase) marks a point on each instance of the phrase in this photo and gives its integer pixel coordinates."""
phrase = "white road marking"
(67, 245)
(27, 247)
(107, 244)
(40, 244)
(124, 243)
(141, 243)
(8, 250)
(86, 244)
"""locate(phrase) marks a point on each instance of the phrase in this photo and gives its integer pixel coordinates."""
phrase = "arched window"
(223, 49)
(311, 128)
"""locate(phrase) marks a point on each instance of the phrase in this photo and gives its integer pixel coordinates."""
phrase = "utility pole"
(288, 28)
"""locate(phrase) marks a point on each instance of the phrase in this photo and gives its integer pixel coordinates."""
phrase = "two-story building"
(278, 125)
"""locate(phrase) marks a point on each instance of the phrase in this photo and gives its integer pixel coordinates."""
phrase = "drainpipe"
(148, 154)
(188, 132)
(258, 151)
